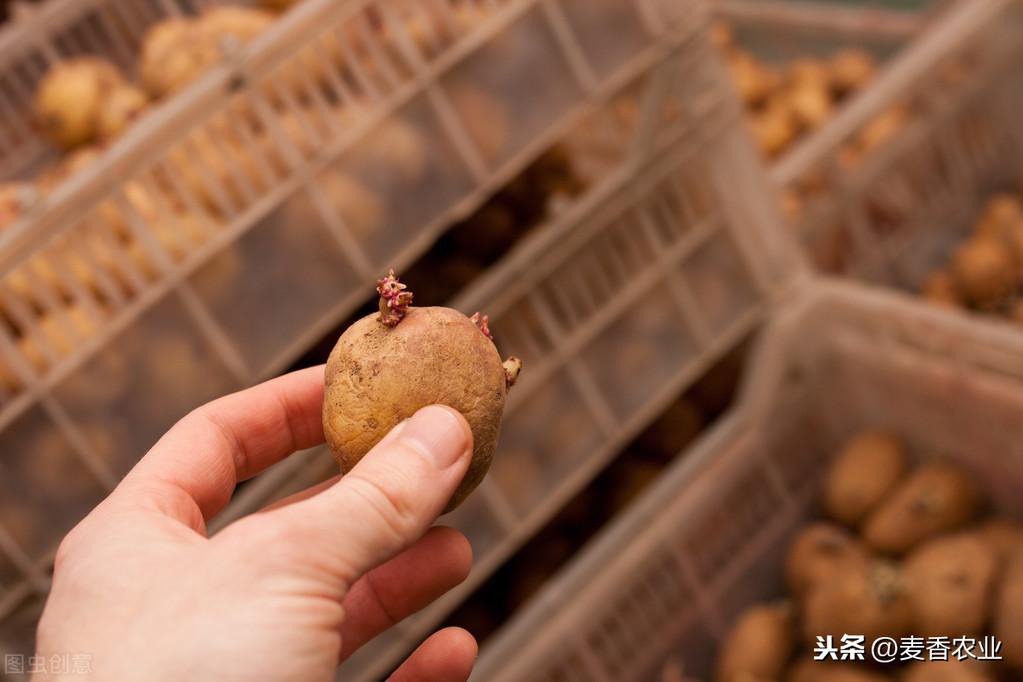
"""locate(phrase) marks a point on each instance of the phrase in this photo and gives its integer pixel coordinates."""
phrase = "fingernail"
(439, 433)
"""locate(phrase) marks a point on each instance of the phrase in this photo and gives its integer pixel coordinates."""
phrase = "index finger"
(208, 452)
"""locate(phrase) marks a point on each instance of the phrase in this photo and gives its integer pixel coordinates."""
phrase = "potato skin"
(1008, 621)
(868, 599)
(1004, 536)
(951, 581)
(865, 471)
(936, 498)
(758, 645)
(377, 376)
(816, 554)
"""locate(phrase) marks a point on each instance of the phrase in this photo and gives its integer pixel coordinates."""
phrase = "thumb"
(388, 500)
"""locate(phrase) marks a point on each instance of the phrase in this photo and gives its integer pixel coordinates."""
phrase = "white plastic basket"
(679, 204)
(893, 213)
(667, 578)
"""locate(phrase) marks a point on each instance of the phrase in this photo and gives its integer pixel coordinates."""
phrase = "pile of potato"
(985, 271)
(785, 102)
(84, 103)
(904, 550)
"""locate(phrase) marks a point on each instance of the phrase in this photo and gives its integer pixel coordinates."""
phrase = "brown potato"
(940, 288)
(758, 645)
(868, 599)
(820, 671)
(984, 270)
(810, 104)
(882, 129)
(807, 71)
(387, 366)
(398, 150)
(753, 81)
(936, 498)
(173, 53)
(863, 475)
(485, 118)
(851, 69)
(70, 98)
(951, 581)
(817, 553)
(1001, 210)
(946, 671)
(1004, 536)
(123, 105)
(1008, 620)
(774, 128)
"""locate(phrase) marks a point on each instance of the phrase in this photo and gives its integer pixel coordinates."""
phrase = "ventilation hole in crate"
(518, 331)
(110, 394)
(737, 515)
(261, 314)
(720, 282)
(800, 454)
(639, 352)
(524, 61)
(45, 488)
(532, 462)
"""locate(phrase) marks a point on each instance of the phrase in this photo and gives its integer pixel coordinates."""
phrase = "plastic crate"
(116, 323)
(951, 98)
(615, 306)
(668, 577)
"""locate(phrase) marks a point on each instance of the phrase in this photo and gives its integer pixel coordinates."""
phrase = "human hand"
(283, 594)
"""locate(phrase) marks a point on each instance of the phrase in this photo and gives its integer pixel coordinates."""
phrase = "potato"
(361, 210)
(774, 128)
(940, 288)
(851, 69)
(177, 51)
(485, 118)
(817, 553)
(753, 81)
(1001, 210)
(882, 129)
(950, 581)
(124, 104)
(398, 151)
(758, 645)
(59, 336)
(1008, 621)
(984, 270)
(946, 671)
(861, 598)
(821, 671)
(173, 53)
(722, 36)
(807, 71)
(70, 98)
(227, 22)
(1005, 537)
(387, 366)
(863, 474)
(936, 498)
(810, 104)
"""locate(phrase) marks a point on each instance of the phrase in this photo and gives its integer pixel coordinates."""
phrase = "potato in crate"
(867, 483)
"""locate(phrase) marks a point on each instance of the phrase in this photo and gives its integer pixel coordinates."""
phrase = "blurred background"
(725, 236)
